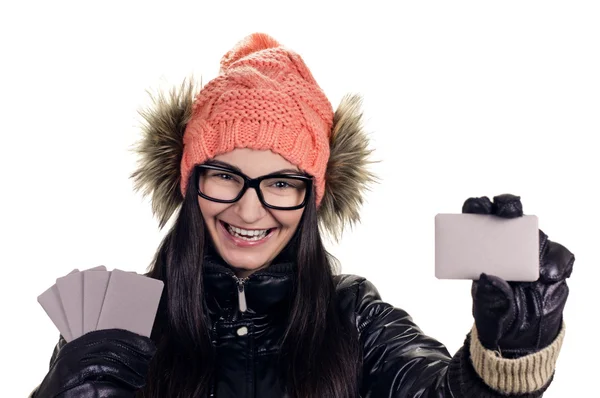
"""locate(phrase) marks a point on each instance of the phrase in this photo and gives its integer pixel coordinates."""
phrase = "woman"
(255, 164)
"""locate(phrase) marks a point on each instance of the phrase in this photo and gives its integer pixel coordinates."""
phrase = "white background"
(462, 99)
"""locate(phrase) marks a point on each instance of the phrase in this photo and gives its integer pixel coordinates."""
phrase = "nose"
(249, 208)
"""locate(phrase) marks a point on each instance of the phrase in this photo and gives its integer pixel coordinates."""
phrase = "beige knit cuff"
(515, 376)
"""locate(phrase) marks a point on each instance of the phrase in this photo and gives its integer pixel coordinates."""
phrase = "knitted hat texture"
(264, 98)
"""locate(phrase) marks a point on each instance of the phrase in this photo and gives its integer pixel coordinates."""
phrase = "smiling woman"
(253, 168)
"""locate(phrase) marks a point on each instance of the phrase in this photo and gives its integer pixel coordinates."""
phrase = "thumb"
(493, 308)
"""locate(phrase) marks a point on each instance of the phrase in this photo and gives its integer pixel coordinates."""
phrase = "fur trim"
(347, 176)
(161, 148)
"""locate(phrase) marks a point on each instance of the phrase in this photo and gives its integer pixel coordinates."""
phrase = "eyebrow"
(232, 167)
(223, 164)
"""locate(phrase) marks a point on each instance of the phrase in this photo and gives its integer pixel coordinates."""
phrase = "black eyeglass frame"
(254, 183)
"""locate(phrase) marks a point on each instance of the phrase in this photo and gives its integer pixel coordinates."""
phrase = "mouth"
(246, 237)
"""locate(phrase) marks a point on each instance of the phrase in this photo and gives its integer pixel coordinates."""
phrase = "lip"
(241, 242)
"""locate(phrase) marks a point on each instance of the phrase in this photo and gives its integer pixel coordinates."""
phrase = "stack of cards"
(94, 299)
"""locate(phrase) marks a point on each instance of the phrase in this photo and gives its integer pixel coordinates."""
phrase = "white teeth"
(246, 234)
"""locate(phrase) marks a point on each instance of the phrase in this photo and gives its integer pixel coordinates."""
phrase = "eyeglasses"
(275, 191)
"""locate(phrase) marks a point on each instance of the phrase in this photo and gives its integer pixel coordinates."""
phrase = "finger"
(554, 300)
(556, 262)
(493, 308)
(103, 369)
(507, 206)
(493, 295)
(481, 205)
(137, 364)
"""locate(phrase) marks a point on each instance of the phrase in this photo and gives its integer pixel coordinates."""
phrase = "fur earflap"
(161, 147)
(347, 176)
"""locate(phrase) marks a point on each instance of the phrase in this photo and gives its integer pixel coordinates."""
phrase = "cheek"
(289, 220)
(210, 210)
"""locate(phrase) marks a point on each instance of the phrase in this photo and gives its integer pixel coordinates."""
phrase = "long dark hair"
(320, 353)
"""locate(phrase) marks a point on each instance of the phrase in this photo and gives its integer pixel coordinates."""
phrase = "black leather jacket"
(399, 360)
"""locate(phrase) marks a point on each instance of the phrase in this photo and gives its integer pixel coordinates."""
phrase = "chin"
(243, 262)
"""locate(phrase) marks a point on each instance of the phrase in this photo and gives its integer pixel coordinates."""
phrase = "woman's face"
(231, 224)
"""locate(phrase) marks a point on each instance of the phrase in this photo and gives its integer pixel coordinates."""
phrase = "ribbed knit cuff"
(515, 376)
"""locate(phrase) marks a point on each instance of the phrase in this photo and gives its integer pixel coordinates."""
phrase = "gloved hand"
(520, 318)
(102, 363)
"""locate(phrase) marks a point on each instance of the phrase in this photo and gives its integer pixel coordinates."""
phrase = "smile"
(249, 236)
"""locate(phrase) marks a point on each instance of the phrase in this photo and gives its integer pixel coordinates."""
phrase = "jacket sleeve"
(400, 361)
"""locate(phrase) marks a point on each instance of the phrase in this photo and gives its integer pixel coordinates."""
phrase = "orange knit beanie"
(264, 98)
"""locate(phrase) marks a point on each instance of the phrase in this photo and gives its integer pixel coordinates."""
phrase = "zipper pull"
(241, 295)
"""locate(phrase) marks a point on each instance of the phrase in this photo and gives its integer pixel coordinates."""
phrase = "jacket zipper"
(241, 293)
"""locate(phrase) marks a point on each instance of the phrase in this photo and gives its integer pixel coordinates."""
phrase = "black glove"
(520, 318)
(102, 363)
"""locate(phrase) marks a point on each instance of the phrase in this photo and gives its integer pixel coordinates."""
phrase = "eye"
(282, 184)
(224, 176)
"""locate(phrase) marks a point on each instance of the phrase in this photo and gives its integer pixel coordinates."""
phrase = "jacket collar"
(265, 292)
